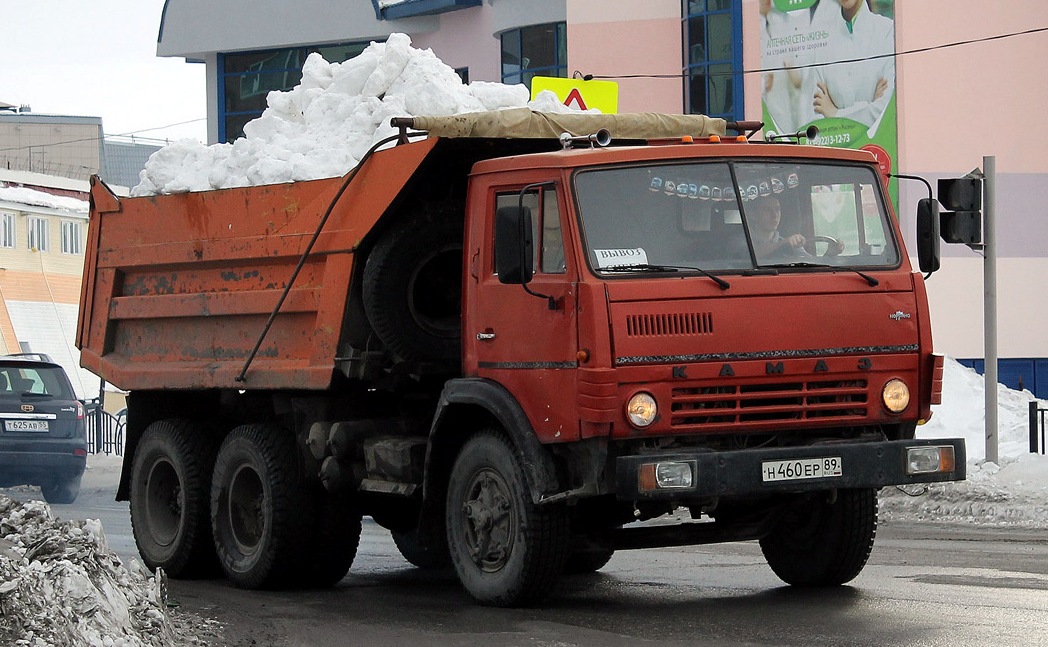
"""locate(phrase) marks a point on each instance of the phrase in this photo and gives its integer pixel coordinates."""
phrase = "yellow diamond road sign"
(579, 94)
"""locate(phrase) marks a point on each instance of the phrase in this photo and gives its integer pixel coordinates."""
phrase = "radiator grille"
(786, 401)
(670, 324)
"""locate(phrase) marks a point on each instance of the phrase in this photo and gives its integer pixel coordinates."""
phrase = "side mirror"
(514, 245)
(928, 235)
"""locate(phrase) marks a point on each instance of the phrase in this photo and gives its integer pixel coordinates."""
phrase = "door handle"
(485, 336)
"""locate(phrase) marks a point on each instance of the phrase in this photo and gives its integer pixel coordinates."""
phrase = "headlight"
(896, 396)
(641, 410)
(930, 460)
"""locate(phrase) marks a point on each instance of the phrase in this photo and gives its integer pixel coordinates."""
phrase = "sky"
(98, 59)
(45, 589)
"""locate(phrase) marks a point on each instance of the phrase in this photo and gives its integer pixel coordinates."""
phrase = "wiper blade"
(869, 279)
(647, 267)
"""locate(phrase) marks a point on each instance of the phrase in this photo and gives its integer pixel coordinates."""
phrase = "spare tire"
(412, 289)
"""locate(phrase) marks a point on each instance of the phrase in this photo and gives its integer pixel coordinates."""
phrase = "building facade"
(43, 230)
(956, 92)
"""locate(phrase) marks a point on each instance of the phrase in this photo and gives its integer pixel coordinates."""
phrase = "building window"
(713, 58)
(72, 237)
(38, 234)
(245, 79)
(7, 230)
(538, 50)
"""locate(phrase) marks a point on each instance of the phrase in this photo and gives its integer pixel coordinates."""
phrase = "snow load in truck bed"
(324, 125)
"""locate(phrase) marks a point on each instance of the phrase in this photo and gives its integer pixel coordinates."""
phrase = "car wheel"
(62, 490)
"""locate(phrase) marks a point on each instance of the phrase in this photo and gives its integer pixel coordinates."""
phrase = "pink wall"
(622, 37)
(465, 40)
(960, 103)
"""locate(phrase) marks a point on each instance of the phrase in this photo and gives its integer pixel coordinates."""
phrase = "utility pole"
(990, 303)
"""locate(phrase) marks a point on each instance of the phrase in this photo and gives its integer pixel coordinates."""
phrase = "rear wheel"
(260, 509)
(333, 544)
(420, 554)
(823, 543)
(62, 490)
(170, 481)
(506, 550)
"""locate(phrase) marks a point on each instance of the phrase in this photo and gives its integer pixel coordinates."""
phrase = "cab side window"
(546, 229)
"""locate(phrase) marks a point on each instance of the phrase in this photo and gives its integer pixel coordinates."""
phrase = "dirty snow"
(322, 127)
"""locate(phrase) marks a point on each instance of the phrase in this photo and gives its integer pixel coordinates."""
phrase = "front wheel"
(506, 550)
(823, 543)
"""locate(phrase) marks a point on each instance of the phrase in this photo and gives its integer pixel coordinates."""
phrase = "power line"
(918, 50)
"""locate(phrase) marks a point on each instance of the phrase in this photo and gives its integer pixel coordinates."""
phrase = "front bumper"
(742, 472)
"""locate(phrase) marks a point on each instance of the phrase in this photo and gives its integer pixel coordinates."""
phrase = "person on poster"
(859, 90)
(782, 82)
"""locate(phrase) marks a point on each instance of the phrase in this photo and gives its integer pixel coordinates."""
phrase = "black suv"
(43, 437)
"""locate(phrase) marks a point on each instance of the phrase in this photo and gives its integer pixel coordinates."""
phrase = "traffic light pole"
(990, 303)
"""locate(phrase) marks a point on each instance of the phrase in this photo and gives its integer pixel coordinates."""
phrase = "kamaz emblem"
(899, 315)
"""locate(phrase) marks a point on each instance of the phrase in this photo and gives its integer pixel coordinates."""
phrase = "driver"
(764, 216)
(764, 230)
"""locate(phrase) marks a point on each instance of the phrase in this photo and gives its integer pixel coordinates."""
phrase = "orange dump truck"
(512, 346)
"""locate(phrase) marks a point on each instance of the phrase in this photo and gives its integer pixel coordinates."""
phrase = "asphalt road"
(925, 585)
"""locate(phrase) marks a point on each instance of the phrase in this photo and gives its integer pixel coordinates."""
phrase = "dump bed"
(178, 289)
(250, 288)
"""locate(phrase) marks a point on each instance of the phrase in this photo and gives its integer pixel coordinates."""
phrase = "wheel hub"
(491, 521)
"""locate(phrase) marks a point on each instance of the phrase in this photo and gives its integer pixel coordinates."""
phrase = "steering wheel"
(833, 246)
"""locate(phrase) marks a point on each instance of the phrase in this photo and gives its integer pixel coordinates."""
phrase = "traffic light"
(928, 235)
(963, 198)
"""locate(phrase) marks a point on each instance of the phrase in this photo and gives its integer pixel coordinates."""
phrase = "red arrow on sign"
(575, 97)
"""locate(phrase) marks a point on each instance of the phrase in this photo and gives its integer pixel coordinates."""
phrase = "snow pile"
(1012, 492)
(23, 195)
(323, 126)
(60, 585)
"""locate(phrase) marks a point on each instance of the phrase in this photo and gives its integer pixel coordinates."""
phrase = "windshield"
(681, 217)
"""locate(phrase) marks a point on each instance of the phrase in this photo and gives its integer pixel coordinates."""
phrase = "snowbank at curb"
(61, 586)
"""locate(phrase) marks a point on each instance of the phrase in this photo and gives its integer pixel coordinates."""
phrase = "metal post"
(990, 303)
(1033, 426)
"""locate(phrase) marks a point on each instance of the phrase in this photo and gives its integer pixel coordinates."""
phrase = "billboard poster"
(831, 63)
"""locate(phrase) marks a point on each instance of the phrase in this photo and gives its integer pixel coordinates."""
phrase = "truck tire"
(170, 481)
(420, 555)
(588, 561)
(506, 550)
(412, 289)
(62, 490)
(260, 509)
(333, 543)
(819, 543)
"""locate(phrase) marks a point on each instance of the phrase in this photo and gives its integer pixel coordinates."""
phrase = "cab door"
(527, 343)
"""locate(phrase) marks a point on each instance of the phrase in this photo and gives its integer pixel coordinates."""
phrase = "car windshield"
(17, 381)
(734, 216)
